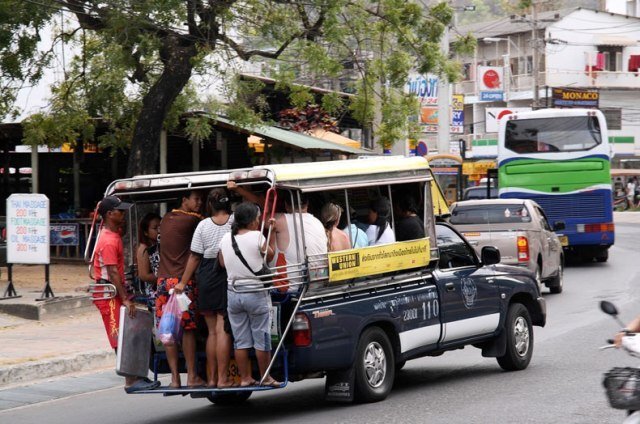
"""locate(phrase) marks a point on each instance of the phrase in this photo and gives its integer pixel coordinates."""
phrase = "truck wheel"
(519, 339)
(231, 398)
(539, 277)
(557, 283)
(374, 366)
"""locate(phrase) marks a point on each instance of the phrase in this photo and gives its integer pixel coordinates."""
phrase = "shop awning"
(613, 40)
(334, 138)
(293, 139)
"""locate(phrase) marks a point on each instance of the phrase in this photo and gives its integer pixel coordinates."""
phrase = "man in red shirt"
(108, 268)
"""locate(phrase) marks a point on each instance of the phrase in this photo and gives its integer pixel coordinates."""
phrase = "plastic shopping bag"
(169, 329)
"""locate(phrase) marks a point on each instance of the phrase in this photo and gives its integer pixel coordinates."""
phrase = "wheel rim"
(560, 275)
(539, 278)
(375, 364)
(521, 336)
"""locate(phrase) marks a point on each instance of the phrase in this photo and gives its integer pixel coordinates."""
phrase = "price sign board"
(28, 229)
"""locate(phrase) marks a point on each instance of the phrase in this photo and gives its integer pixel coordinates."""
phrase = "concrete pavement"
(75, 341)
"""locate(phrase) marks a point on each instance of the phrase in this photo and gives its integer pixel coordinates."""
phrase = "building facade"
(573, 50)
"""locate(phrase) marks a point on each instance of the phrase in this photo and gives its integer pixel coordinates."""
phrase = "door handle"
(450, 287)
(490, 280)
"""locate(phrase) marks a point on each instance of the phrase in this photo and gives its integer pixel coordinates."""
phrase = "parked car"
(479, 192)
(519, 229)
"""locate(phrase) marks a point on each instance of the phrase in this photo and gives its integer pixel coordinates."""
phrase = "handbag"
(263, 271)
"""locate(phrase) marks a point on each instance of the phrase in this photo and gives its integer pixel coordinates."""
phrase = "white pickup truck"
(519, 229)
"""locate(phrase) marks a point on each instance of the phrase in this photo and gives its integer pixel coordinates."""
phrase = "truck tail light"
(301, 331)
(523, 249)
(596, 228)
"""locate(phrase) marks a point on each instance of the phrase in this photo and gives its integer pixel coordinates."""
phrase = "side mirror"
(490, 255)
(559, 226)
(608, 308)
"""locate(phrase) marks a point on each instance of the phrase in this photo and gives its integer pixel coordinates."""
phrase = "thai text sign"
(64, 234)
(564, 97)
(28, 229)
(372, 260)
(425, 88)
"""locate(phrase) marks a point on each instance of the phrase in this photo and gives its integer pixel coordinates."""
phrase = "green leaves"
(126, 47)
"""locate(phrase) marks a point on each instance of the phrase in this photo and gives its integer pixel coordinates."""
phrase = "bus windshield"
(562, 134)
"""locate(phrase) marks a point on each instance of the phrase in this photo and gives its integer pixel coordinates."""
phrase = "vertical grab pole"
(284, 335)
(270, 193)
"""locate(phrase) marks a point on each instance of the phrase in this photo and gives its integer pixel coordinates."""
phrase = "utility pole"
(534, 53)
(444, 96)
(535, 44)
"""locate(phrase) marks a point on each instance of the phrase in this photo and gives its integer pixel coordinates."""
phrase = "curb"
(39, 370)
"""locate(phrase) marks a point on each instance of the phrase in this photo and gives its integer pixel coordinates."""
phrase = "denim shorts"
(250, 319)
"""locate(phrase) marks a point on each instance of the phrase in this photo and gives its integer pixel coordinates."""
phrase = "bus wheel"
(231, 398)
(374, 366)
(603, 255)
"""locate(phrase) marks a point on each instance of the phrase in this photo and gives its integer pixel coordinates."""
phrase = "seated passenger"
(248, 311)
(358, 237)
(336, 238)
(286, 247)
(409, 226)
(379, 230)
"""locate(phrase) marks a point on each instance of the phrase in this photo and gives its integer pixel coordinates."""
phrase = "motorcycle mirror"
(608, 308)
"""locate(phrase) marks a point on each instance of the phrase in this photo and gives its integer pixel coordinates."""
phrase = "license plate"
(564, 240)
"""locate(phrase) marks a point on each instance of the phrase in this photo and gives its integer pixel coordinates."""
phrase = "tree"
(138, 58)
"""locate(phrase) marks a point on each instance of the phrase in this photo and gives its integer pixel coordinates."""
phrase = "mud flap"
(497, 347)
(339, 385)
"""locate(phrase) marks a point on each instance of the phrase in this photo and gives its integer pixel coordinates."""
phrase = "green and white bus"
(561, 159)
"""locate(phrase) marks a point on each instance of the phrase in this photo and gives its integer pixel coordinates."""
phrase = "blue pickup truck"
(355, 316)
(359, 338)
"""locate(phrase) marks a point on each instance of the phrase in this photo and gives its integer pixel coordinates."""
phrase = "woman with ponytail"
(211, 280)
(249, 304)
(379, 230)
(336, 238)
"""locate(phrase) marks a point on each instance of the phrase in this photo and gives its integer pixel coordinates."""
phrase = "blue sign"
(492, 96)
(64, 234)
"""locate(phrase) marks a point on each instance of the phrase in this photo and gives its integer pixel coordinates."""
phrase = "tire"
(232, 398)
(602, 256)
(557, 283)
(374, 366)
(538, 273)
(519, 339)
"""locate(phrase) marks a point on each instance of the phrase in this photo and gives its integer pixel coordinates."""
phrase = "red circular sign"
(491, 79)
(503, 114)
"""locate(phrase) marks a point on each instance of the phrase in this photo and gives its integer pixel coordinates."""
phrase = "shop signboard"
(429, 116)
(28, 229)
(64, 234)
(569, 98)
(491, 83)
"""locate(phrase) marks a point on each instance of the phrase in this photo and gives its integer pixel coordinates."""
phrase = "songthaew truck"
(355, 316)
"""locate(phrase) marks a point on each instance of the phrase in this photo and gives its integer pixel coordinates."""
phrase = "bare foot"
(175, 384)
(225, 384)
(195, 382)
(211, 384)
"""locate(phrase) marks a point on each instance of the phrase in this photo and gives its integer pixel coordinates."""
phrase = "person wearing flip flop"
(176, 231)
(249, 308)
(108, 268)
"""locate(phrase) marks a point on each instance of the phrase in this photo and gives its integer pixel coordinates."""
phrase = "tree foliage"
(141, 64)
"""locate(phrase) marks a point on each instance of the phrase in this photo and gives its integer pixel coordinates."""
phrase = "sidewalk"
(70, 342)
